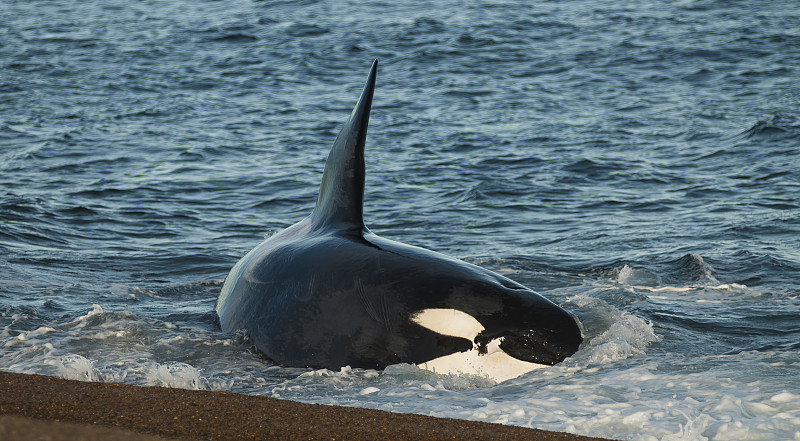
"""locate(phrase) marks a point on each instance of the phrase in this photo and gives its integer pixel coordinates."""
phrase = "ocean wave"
(777, 127)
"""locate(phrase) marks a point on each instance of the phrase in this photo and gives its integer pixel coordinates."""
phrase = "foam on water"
(707, 290)
(114, 346)
(77, 367)
(179, 375)
(649, 401)
(172, 374)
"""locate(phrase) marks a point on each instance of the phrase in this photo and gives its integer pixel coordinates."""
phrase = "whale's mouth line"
(533, 346)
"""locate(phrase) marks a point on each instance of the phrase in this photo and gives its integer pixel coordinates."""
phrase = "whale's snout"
(541, 346)
(548, 344)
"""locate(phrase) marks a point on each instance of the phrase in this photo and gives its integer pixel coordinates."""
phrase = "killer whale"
(327, 292)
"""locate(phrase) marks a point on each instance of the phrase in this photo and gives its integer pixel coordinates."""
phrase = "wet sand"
(34, 407)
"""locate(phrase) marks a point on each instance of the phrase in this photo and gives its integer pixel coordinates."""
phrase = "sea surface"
(637, 162)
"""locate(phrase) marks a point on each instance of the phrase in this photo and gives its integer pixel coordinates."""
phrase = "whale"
(328, 293)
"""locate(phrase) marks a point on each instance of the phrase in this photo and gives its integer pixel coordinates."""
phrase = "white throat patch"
(494, 364)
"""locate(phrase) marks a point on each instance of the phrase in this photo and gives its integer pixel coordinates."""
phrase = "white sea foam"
(644, 402)
(25, 338)
(76, 367)
(626, 336)
(636, 276)
(175, 374)
(708, 290)
(71, 350)
(369, 390)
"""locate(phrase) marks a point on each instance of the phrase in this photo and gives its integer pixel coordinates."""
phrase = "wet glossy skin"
(327, 292)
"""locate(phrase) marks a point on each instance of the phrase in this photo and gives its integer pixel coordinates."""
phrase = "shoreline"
(137, 413)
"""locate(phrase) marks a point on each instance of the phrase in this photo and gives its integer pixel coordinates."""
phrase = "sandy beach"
(35, 407)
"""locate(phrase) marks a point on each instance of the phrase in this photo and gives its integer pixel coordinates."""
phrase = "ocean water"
(637, 162)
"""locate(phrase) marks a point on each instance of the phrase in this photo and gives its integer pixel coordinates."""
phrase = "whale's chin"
(489, 362)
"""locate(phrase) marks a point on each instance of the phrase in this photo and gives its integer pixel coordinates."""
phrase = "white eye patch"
(450, 322)
(494, 364)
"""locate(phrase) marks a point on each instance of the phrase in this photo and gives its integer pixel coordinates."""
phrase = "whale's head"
(497, 330)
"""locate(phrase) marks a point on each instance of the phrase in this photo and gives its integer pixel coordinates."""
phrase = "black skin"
(327, 293)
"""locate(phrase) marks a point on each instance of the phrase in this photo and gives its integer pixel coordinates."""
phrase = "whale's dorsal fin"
(341, 194)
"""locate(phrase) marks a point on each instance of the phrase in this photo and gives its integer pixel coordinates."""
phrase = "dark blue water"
(637, 162)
